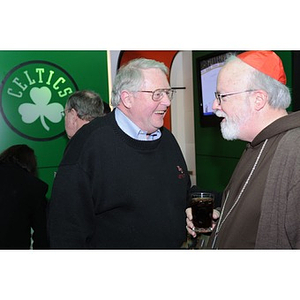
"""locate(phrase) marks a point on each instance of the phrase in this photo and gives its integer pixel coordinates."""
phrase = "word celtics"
(39, 75)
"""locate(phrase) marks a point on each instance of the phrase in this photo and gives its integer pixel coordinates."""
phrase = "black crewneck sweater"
(112, 191)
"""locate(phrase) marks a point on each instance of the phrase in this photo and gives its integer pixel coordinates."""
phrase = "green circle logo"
(32, 98)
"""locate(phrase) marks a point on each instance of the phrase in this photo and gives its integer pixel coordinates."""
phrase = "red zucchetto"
(267, 62)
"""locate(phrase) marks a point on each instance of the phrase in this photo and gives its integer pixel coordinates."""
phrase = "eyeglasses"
(64, 112)
(158, 94)
(220, 97)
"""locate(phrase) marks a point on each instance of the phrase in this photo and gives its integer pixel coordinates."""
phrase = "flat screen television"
(207, 68)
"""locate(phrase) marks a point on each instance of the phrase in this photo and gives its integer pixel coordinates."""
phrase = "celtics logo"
(33, 97)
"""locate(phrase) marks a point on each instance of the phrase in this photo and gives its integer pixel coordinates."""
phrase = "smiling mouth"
(160, 112)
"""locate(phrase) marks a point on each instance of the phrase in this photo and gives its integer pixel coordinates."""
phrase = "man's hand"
(189, 221)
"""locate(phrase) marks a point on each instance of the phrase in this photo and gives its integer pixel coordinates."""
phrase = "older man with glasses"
(260, 207)
(123, 182)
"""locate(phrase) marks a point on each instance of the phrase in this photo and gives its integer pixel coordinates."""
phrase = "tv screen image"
(209, 83)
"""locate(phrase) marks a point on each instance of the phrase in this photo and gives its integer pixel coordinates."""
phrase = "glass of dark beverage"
(202, 204)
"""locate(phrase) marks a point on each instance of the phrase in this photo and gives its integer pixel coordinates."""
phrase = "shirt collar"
(133, 130)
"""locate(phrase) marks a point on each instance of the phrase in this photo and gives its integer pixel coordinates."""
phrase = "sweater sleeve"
(70, 216)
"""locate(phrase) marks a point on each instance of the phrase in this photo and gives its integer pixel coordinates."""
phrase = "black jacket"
(22, 207)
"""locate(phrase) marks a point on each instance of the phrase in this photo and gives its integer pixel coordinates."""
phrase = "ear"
(260, 100)
(73, 115)
(126, 98)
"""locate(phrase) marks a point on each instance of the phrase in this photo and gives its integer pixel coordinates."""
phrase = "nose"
(216, 105)
(165, 100)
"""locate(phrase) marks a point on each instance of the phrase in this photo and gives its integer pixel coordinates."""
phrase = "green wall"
(216, 158)
(40, 82)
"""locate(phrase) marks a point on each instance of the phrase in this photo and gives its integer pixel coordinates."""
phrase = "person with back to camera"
(22, 201)
(261, 205)
(82, 107)
(123, 181)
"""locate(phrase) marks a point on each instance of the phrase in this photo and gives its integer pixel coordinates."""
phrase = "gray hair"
(279, 94)
(87, 104)
(130, 77)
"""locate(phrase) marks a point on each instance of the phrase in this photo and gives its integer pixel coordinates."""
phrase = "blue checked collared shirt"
(132, 130)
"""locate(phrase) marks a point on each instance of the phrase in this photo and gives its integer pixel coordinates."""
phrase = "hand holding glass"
(202, 209)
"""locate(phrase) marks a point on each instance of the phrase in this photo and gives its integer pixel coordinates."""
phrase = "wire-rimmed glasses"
(220, 97)
(158, 94)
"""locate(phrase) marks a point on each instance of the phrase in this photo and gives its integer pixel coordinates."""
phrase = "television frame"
(210, 62)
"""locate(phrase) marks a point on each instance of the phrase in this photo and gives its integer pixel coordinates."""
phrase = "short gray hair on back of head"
(130, 77)
(87, 104)
(279, 94)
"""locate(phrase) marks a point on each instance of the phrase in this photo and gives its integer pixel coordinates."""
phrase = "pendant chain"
(220, 224)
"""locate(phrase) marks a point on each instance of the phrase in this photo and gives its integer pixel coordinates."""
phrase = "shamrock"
(41, 108)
